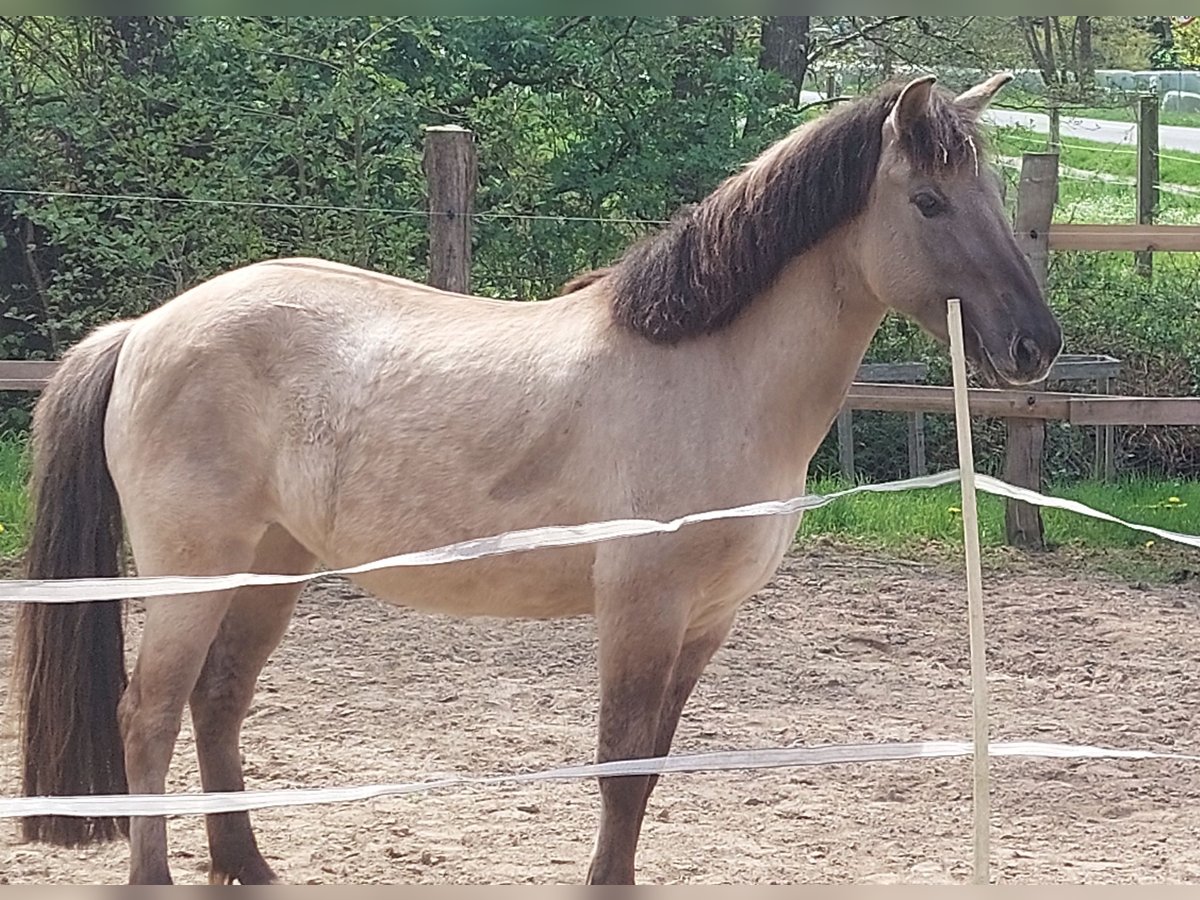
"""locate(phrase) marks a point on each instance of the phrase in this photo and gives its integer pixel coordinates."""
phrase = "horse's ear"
(912, 105)
(977, 98)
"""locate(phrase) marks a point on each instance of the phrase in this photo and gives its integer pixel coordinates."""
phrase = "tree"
(1061, 48)
(792, 46)
(1185, 35)
(783, 47)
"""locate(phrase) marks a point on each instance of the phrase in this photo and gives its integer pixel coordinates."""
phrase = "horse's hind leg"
(249, 633)
(175, 642)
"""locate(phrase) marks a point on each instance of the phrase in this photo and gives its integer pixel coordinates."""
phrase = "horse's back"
(366, 414)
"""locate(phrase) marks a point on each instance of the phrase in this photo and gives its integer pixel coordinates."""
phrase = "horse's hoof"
(256, 872)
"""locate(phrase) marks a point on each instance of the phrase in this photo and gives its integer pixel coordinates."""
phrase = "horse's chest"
(741, 558)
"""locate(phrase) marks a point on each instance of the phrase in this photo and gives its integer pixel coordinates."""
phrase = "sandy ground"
(838, 648)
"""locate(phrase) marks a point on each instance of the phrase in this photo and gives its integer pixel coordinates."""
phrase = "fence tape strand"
(74, 590)
(101, 589)
(545, 537)
(183, 804)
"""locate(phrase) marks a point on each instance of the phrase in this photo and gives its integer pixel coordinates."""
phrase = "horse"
(297, 412)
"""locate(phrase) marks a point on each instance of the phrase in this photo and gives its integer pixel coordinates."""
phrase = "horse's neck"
(803, 340)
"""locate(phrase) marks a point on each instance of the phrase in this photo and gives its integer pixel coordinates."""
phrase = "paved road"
(1170, 137)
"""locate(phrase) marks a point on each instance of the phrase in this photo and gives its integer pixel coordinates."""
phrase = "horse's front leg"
(639, 643)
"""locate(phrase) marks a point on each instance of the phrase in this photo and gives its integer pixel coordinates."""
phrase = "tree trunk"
(1048, 52)
(728, 39)
(784, 47)
(1030, 28)
(142, 40)
(1087, 59)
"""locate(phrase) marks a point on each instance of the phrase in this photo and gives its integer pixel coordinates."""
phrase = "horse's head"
(935, 228)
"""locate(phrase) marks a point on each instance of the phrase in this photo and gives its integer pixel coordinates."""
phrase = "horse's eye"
(929, 203)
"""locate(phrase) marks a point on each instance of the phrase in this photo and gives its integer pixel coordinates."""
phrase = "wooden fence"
(1026, 412)
(450, 169)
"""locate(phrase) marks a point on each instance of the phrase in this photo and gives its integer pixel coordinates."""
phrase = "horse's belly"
(540, 584)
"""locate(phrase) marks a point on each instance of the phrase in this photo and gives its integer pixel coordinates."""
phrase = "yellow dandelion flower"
(1173, 500)
(1, 528)
(1149, 544)
(954, 509)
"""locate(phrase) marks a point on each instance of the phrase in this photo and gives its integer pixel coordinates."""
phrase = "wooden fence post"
(1036, 196)
(916, 444)
(1054, 137)
(1106, 455)
(450, 172)
(845, 433)
(1147, 174)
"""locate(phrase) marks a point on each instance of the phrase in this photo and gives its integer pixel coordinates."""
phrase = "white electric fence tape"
(99, 589)
(784, 757)
(74, 590)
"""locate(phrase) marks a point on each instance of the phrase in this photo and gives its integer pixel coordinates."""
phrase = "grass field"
(12, 497)
(921, 516)
(1175, 166)
(1129, 114)
(1097, 180)
(1117, 111)
(897, 522)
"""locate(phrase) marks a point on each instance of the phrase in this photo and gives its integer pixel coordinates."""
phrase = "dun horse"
(297, 411)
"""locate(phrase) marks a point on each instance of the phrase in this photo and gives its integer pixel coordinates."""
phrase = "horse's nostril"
(1026, 354)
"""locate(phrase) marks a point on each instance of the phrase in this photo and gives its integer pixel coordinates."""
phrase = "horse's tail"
(69, 658)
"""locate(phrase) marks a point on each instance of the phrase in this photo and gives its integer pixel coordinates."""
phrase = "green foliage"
(252, 130)
(281, 136)
(13, 471)
(1121, 42)
(917, 517)
(1186, 40)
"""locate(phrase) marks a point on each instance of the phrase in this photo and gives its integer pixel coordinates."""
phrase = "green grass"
(1128, 114)
(1118, 110)
(904, 521)
(896, 521)
(1175, 166)
(12, 496)
(1083, 198)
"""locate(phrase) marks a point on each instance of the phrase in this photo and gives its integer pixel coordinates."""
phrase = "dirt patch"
(840, 647)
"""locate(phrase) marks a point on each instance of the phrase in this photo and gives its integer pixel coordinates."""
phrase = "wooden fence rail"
(450, 170)
(1078, 409)
(1112, 238)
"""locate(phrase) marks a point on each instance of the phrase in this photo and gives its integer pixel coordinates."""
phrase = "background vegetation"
(141, 155)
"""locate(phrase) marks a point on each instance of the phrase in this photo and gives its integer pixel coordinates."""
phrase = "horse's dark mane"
(697, 274)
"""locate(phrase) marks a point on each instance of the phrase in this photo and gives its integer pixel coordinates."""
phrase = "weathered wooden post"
(1147, 174)
(1036, 195)
(916, 444)
(1105, 442)
(450, 172)
(885, 373)
(1054, 138)
(845, 433)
